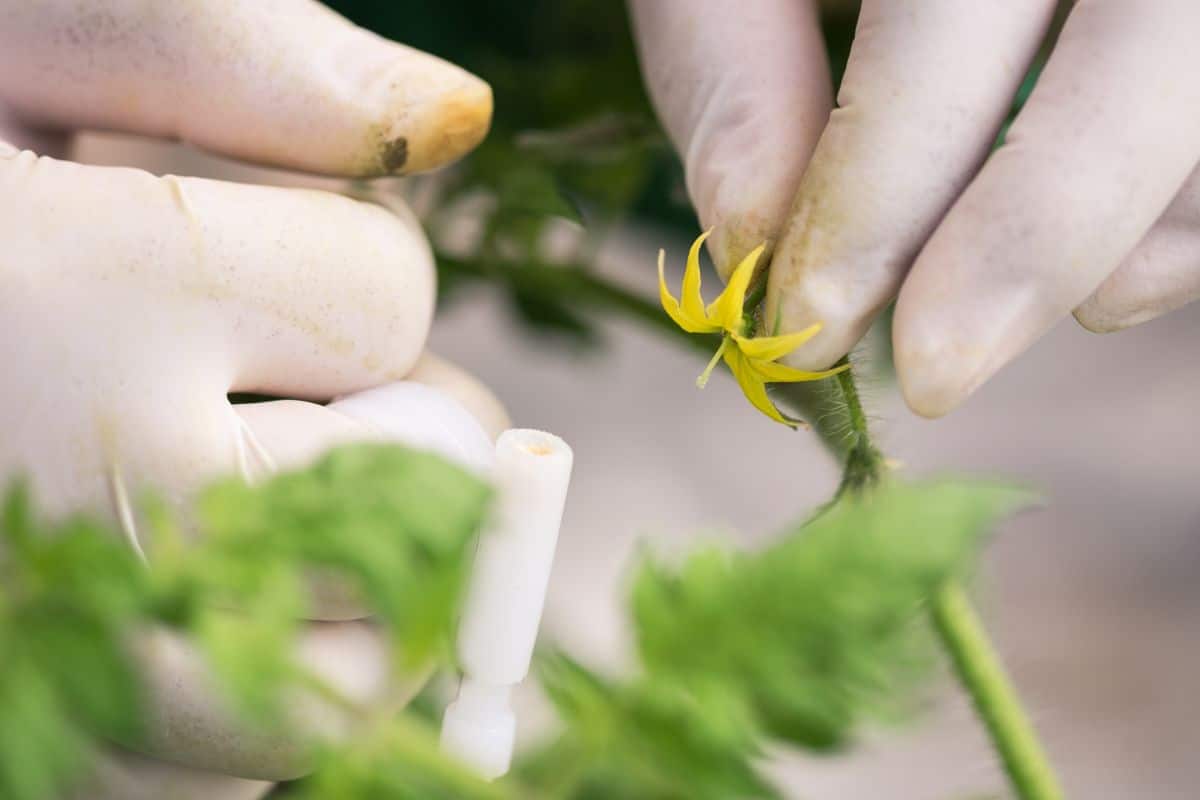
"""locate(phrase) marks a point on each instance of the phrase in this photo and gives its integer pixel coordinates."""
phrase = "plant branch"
(980, 672)
(962, 636)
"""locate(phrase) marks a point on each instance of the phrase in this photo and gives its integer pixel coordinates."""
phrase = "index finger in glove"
(282, 82)
(742, 87)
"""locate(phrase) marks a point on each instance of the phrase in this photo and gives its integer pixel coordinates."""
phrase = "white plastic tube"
(507, 591)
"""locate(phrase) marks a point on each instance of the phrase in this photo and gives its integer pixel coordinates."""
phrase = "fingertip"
(924, 391)
(438, 373)
(1160, 276)
(1098, 315)
(434, 132)
(423, 417)
(820, 352)
(413, 111)
(795, 304)
(390, 109)
(1093, 317)
(733, 236)
(936, 370)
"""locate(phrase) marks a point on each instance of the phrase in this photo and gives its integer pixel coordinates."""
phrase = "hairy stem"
(979, 671)
(864, 465)
(962, 635)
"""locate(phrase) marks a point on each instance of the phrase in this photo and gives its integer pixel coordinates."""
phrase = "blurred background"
(1092, 598)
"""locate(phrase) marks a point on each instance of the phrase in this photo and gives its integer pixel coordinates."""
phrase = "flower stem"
(980, 672)
(864, 464)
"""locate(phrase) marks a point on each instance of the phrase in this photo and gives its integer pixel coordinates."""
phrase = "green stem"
(864, 464)
(961, 634)
(980, 672)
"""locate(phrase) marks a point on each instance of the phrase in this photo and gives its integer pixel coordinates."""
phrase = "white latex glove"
(131, 304)
(1089, 205)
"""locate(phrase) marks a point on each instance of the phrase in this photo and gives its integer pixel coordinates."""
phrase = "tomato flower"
(753, 360)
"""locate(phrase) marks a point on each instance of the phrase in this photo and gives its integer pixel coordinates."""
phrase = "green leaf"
(646, 739)
(397, 522)
(68, 594)
(399, 760)
(822, 629)
(40, 745)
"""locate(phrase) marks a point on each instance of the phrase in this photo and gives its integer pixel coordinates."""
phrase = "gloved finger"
(289, 433)
(285, 433)
(742, 87)
(189, 722)
(114, 773)
(282, 82)
(451, 379)
(283, 291)
(1091, 162)
(1160, 275)
(926, 89)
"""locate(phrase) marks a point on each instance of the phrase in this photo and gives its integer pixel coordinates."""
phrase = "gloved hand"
(1090, 205)
(130, 305)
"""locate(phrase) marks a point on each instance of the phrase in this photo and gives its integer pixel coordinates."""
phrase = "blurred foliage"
(799, 642)
(650, 738)
(398, 524)
(398, 759)
(68, 593)
(848, 587)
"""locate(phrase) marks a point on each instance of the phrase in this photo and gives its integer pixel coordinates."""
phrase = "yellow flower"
(753, 360)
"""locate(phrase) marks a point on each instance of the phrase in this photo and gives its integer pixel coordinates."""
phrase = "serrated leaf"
(396, 523)
(822, 629)
(646, 739)
(40, 746)
(400, 760)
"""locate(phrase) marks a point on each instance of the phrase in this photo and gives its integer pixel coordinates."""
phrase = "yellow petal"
(778, 373)
(690, 297)
(770, 348)
(753, 386)
(726, 310)
(671, 306)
